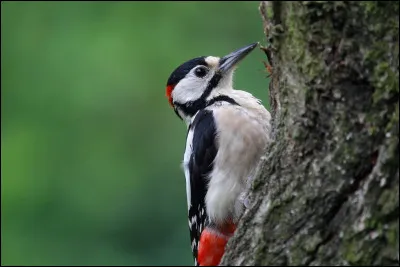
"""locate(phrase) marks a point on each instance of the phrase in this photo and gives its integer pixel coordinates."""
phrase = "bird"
(227, 133)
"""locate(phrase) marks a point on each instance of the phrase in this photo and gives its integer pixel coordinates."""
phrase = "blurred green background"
(91, 150)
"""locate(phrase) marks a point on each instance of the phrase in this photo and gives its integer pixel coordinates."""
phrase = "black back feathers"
(204, 150)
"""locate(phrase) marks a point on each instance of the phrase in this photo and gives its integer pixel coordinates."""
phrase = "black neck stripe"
(177, 113)
(211, 85)
(220, 98)
(190, 108)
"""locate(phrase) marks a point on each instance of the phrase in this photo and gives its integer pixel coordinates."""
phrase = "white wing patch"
(186, 159)
(193, 221)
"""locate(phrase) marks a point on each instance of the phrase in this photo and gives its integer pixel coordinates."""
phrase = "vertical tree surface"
(328, 189)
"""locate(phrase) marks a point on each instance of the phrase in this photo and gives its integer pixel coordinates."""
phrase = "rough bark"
(328, 189)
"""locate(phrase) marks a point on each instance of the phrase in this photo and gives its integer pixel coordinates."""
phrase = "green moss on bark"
(331, 177)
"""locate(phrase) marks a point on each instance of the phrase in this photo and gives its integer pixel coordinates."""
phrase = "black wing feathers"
(204, 150)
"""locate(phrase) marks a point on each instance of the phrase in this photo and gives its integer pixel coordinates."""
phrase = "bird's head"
(192, 85)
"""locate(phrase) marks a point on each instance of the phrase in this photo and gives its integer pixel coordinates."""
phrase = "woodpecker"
(227, 132)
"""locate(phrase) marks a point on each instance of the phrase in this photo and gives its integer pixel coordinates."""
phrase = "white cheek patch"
(212, 61)
(188, 89)
(191, 88)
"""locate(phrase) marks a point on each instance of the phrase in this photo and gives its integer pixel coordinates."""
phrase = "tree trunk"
(328, 189)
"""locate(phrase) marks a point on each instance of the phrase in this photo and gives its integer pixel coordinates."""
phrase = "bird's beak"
(228, 62)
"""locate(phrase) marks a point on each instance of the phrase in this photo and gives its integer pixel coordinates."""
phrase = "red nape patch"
(169, 93)
(212, 245)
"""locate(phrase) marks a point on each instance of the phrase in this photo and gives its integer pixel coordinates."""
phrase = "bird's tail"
(212, 244)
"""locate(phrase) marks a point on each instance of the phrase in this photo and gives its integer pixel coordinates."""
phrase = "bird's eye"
(200, 72)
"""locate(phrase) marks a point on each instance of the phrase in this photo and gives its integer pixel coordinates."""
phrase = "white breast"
(242, 138)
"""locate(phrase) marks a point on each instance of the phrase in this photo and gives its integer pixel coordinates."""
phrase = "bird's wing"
(201, 149)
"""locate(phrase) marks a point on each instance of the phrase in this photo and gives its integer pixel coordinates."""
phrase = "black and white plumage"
(200, 152)
(228, 131)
